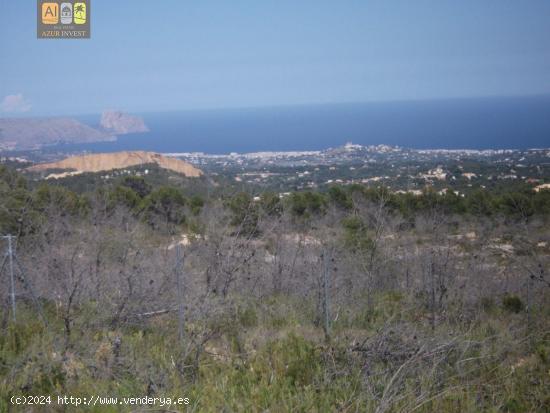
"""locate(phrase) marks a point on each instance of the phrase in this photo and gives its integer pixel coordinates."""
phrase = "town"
(401, 169)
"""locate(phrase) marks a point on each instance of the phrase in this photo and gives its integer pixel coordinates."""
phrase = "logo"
(63, 19)
(66, 13)
(50, 13)
(80, 13)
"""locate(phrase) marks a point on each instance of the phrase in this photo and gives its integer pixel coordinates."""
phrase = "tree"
(340, 197)
(479, 202)
(123, 195)
(244, 214)
(167, 203)
(137, 184)
(271, 204)
(306, 204)
(196, 203)
(517, 204)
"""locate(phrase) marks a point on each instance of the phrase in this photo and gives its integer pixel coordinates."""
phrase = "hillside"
(36, 133)
(353, 299)
(118, 160)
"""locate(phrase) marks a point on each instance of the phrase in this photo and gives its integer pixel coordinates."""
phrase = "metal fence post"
(12, 279)
(180, 281)
(326, 294)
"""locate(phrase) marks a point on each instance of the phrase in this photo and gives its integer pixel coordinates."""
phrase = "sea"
(482, 123)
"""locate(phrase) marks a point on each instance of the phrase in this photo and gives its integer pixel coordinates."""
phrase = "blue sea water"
(481, 123)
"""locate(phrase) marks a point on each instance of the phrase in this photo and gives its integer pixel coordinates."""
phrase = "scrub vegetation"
(354, 299)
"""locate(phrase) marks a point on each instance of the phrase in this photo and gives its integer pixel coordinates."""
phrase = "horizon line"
(27, 115)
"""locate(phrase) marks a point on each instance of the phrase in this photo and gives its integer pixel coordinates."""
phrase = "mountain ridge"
(36, 133)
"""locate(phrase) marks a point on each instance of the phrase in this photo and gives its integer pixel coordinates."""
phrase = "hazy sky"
(183, 54)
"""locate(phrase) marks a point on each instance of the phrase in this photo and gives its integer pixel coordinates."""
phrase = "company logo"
(50, 13)
(66, 13)
(80, 13)
(63, 19)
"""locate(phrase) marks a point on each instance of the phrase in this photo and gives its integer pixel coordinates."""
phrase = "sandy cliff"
(118, 160)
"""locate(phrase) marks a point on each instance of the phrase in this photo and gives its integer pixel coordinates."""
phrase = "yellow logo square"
(80, 13)
(50, 13)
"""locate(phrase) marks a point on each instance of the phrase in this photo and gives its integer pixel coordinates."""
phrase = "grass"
(271, 356)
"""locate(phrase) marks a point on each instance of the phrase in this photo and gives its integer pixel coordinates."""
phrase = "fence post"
(11, 257)
(326, 294)
(528, 304)
(12, 279)
(179, 281)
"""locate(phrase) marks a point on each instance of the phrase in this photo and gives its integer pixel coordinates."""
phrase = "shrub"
(512, 303)
(340, 198)
(248, 317)
(306, 204)
(488, 304)
(244, 214)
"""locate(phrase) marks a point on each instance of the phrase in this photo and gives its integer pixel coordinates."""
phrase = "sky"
(181, 54)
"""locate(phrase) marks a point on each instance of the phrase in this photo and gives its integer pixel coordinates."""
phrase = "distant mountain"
(121, 123)
(118, 160)
(35, 133)
(25, 133)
